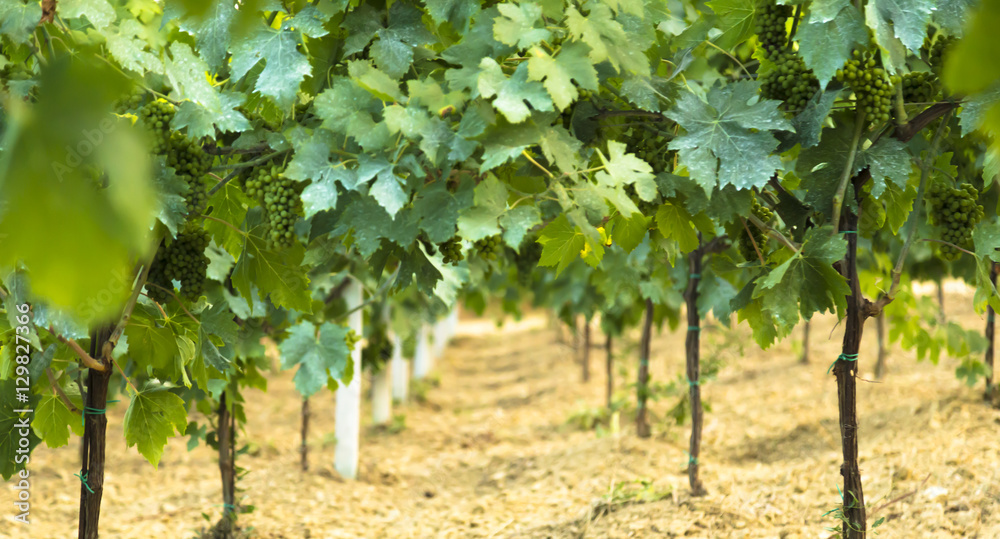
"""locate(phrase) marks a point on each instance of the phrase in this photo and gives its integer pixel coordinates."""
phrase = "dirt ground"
(489, 454)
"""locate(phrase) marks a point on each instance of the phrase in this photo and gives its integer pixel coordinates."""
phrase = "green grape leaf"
(151, 419)
(511, 94)
(908, 19)
(558, 72)
(151, 344)
(826, 45)
(886, 39)
(201, 121)
(674, 222)
(516, 25)
(229, 205)
(489, 203)
(285, 67)
(561, 243)
(212, 31)
(951, 15)
(606, 38)
(516, 223)
(11, 425)
(437, 208)
(18, 19)
(320, 354)
(186, 72)
(98, 12)
(378, 83)
(736, 20)
(971, 66)
(627, 169)
(53, 421)
(986, 239)
(887, 159)
(728, 139)
(561, 148)
(126, 46)
(808, 123)
(898, 205)
(456, 12)
(217, 326)
(628, 232)
(279, 274)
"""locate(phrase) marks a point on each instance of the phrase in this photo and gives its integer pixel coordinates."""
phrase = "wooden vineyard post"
(422, 355)
(609, 364)
(692, 353)
(642, 386)
(990, 337)
(399, 370)
(348, 415)
(304, 447)
(225, 431)
(585, 355)
(805, 344)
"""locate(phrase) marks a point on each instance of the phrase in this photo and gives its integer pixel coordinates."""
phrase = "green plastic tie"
(695, 276)
(694, 328)
(89, 410)
(842, 357)
(694, 382)
(644, 361)
(691, 459)
(848, 231)
(83, 479)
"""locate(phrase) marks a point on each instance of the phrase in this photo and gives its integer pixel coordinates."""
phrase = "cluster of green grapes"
(759, 239)
(956, 211)
(14, 71)
(156, 116)
(771, 27)
(872, 88)
(132, 102)
(184, 260)
(191, 162)
(647, 208)
(790, 82)
(919, 87)
(526, 260)
(489, 248)
(451, 250)
(935, 48)
(281, 202)
(650, 147)
(352, 339)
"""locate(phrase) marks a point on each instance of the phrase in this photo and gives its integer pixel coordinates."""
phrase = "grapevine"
(956, 212)
(935, 50)
(156, 116)
(451, 250)
(648, 144)
(489, 247)
(919, 87)
(191, 163)
(351, 339)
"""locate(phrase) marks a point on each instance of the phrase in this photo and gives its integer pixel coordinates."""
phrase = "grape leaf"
(674, 222)
(279, 274)
(151, 419)
(951, 15)
(516, 25)
(898, 205)
(827, 45)
(212, 31)
(98, 12)
(125, 45)
(380, 84)
(18, 19)
(626, 169)
(53, 421)
(737, 21)
(320, 354)
(186, 72)
(456, 12)
(908, 18)
(229, 204)
(512, 93)
(201, 121)
(558, 72)
(628, 232)
(606, 38)
(437, 208)
(11, 425)
(285, 67)
(517, 222)
(489, 203)
(728, 139)
(561, 243)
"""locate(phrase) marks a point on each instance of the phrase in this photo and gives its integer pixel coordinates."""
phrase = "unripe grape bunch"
(935, 48)
(647, 145)
(351, 339)
(790, 81)
(919, 87)
(156, 117)
(451, 250)
(955, 210)
(191, 163)
(747, 249)
(526, 260)
(872, 88)
(770, 27)
(281, 202)
(183, 260)
(488, 248)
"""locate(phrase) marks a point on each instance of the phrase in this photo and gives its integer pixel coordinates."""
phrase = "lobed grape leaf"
(153, 416)
(321, 353)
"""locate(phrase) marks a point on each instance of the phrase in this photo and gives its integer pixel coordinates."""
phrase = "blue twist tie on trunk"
(83, 479)
(842, 357)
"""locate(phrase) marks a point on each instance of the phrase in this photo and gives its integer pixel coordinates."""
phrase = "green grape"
(770, 28)
(156, 117)
(955, 211)
(935, 48)
(650, 147)
(131, 102)
(191, 163)
(183, 260)
(747, 249)
(281, 201)
(872, 87)
(451, 250)
(919, 87)
(351, 339)
(790, 82)
(489, 248)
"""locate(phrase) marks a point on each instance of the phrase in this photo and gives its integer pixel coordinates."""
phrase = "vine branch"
(85, 358)
(845, 178)
(59, 390)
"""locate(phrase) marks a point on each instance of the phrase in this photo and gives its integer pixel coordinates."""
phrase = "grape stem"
(222, 182)
(85, 358)
(613, 113)
(753, 241)
(795, 23)
(129, 306)
(925, 168)
(537, 164)
(731, 57)
(179, 302)
(774, 233)
(254, 162)
(59, 391)
(948, 243)
(838, 199)
(227, 150)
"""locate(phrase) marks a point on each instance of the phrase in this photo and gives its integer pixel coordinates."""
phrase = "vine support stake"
(348, 414)
(642, 387)
(94, 440)
(990, 329)
(399, 370)
(692, 344)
